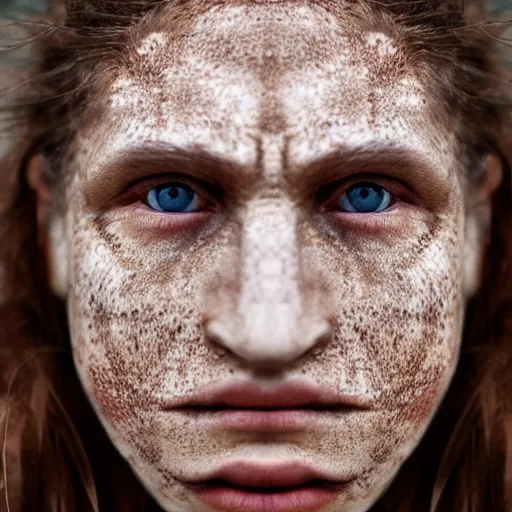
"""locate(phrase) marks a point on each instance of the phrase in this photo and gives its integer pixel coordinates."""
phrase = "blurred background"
(22, 5)
(39, 5)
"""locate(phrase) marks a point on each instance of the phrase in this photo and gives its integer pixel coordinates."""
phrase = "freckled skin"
(368, 305)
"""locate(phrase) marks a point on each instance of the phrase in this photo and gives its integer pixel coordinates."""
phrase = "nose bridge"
(267, 315)
(267, 323)
(270, 300)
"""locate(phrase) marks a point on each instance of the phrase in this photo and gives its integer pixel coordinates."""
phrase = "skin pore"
(270, 113)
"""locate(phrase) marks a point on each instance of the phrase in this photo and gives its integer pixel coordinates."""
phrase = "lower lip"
(304, 498)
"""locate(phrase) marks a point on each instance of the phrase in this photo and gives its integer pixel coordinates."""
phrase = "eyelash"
(327, 198)
(343, 199)
(376, 196)
(140, 192)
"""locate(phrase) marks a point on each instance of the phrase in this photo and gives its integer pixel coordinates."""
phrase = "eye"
(365, 198)
(173, 198)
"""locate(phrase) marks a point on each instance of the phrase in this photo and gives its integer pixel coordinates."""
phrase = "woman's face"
(266, 215)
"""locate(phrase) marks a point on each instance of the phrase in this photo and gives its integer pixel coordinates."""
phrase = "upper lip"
(252, 395)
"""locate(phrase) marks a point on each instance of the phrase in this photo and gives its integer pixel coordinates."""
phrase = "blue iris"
(365, 198)
(172, 198)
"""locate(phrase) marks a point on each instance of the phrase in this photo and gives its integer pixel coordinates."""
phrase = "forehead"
(289, 75)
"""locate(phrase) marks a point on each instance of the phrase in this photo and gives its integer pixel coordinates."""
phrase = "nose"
(271, 316)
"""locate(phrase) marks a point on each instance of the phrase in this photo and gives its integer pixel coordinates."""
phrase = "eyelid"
(331, 193)
(138, 190)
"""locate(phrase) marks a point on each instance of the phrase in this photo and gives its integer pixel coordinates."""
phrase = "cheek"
(398, 324)
(136, 327)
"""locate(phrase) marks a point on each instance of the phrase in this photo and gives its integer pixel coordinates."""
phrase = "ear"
(51, 228)
(38, 185)
(478, 223)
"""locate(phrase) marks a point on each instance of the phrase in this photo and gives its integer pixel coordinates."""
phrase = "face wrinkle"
(390, 291)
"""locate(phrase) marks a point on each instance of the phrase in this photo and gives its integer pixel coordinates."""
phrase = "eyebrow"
(129, 165)
(133, 164)
(391, 159)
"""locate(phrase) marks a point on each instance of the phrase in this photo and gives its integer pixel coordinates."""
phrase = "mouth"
(252, 407)
(256, 408)
(260, 488)
(253, 395)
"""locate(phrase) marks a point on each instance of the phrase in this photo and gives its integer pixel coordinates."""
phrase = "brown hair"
(55, 455)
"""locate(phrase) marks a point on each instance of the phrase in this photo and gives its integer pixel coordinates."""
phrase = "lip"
(252, 395)
(285, 487)
(252, 407)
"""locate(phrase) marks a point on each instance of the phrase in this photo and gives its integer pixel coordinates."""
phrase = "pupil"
(364, 193)
(173, 193)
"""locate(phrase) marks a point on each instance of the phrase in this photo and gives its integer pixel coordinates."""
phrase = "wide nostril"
(319, 335)
(217, 336)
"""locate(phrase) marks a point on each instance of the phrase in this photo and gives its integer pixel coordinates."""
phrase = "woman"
(274, 237)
